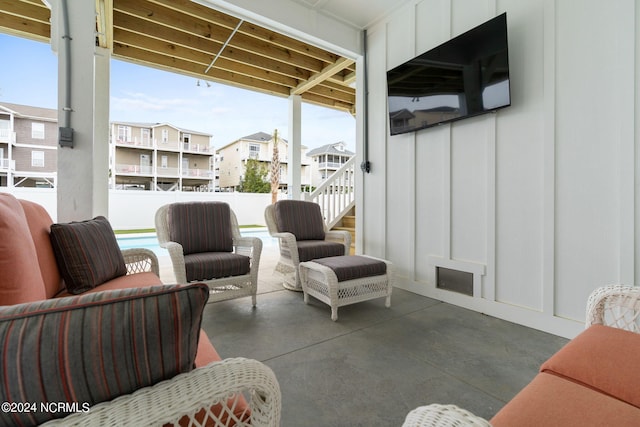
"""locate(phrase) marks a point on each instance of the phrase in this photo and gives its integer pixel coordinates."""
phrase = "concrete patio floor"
(375, 364)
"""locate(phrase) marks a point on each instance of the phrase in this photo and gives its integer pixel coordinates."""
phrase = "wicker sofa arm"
(617, 306)
(443, 416)
(140, 260)
(187, 394)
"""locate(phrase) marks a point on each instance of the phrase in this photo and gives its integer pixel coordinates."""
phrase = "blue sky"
(142, 94)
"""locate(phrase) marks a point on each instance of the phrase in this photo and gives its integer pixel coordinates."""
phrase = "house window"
(165, 136)
(164, 161)
(124, 133)
(37, 130)
(37, 159)
(254, 151)
(146, 135)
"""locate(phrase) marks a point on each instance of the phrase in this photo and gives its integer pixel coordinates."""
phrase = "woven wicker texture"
(617, 306)
(321, 282)
(289, 257)
(224, 288)
(443, 416)
(140, 260)
(195, 395)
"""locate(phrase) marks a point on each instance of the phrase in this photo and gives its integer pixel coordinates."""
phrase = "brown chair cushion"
(215, 265)
(302, 219)
(87, 253)
(201, 226)
(313, 249)
(353, 267)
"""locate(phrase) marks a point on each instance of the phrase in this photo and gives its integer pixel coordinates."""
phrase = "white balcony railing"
(197, 173)
(172, 172)
(8, 136)
(336, 196)
(7, 164)
(133, 170)
(136, 142)
(196, 148)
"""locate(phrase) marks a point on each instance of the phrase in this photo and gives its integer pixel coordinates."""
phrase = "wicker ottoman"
(344, 280)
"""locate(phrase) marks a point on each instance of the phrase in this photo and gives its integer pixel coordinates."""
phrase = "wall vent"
(454, 280)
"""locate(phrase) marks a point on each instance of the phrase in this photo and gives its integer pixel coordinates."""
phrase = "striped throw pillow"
(87, 253)
(82, 350)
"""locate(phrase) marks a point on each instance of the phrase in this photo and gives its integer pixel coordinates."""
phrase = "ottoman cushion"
(353, 266)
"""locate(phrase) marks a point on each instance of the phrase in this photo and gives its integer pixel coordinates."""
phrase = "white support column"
(294, 166)
(83, 170)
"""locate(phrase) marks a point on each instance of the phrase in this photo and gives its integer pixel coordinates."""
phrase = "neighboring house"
(233, 157)
(326, 160)
(28, 146)
(160, 157)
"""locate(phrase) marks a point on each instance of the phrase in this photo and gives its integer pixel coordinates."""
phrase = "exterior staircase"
(336, 197)
(348, 223)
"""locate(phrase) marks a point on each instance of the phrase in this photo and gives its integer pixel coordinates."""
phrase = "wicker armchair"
(140, 260)
(303, 236)
(204, 396)
(205, 245)
(616, 306)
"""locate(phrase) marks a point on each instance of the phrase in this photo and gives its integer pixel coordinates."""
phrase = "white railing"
(8, 136)
(336, 196)
(6, 164)
(199, 173)
(122, 169)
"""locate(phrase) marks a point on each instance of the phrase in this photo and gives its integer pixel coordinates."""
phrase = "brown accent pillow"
(87, 253)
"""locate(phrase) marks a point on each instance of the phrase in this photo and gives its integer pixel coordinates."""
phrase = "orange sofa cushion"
(138, 280)
(604, 359)
(552, 401)
(20, 280)
(40, 225)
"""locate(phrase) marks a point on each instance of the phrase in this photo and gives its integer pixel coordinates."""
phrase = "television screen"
(464, 77)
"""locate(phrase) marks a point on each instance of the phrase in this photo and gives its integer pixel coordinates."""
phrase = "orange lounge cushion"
(604, 359)
(20, 280)
(40, 225)
(553, 401)
(138, 280)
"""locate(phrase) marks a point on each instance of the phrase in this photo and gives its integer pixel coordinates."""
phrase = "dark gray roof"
(330, 149)
(259, 136)
(48, 114)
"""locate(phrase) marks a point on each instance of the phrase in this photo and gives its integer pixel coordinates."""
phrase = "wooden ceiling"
(187, 38)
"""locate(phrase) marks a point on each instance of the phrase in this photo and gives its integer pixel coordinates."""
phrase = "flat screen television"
(463, 77)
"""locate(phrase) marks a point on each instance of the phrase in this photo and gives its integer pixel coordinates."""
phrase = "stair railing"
(336, 195)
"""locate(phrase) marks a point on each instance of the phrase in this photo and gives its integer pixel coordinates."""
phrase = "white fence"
(129, 210)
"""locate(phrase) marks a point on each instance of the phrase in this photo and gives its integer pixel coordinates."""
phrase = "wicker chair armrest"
(617, 306)
(443, 416)
(139, 260)
(176, 255)
(187, 394)
(249, 246)
(340, 236)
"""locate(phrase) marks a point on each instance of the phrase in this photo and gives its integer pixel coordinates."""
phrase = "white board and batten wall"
(538, 200)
